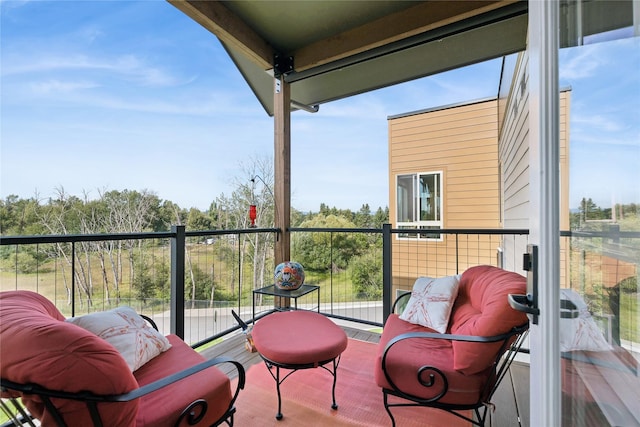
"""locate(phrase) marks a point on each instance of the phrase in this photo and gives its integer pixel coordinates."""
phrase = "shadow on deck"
(511, 398)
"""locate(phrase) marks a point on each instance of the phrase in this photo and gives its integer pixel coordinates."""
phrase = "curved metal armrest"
(435, 375)
(163, 382)
(88, 396)
(149, 320)
(400, 298)
(453, 337)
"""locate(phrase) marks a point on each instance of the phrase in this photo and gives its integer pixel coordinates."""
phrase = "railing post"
(177, 280)
(387, 275)
(73, 279)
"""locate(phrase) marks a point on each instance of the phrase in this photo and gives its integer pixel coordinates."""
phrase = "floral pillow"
(431, 302)
(582, 332)
(129, 333)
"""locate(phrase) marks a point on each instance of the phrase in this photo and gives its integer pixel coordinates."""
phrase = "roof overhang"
(328, 50)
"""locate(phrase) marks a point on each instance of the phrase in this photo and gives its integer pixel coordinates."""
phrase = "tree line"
(132, 211)
(590, 216)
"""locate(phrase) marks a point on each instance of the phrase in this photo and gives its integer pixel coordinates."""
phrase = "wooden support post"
(282, 171)
(282, 168)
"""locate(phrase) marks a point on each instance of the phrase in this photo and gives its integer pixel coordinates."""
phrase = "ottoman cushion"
(298, 337)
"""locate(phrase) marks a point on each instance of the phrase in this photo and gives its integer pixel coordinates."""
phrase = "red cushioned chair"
(68, 376)
(460, 369)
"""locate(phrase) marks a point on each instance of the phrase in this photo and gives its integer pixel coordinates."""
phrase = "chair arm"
(92, 399)
(89, 396)
(163, 382)
(454, 337)
(434, 372)
(407, 294)
(150, 321)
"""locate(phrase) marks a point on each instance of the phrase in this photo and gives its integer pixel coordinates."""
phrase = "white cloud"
(582, 65)
(56, 86)
(599, 122)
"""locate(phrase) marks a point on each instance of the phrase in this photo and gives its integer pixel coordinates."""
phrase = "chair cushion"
(164, 406)
(39, 347)
(482, 309)
(406, 357)
(298, 337)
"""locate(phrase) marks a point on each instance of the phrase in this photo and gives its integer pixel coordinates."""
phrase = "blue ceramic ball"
(289, 275)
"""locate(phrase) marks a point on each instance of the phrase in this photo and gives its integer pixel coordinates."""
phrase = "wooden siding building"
(474, 156)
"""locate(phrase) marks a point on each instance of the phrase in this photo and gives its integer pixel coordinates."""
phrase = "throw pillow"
(129, 333)
(431, 302)
(582, 332)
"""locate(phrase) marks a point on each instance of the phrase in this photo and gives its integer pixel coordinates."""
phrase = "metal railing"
(189, 282)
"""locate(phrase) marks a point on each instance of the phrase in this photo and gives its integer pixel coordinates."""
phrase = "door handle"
(523, 303)
(529, 303)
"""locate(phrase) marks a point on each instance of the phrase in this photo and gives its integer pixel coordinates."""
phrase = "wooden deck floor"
(511, 399)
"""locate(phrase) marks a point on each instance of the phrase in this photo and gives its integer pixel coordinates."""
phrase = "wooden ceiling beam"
(229, 28)
(400, 25)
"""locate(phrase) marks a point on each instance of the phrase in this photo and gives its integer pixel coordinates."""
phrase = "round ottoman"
(299, 339)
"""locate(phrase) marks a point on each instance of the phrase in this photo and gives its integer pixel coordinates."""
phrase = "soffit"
(343, 48)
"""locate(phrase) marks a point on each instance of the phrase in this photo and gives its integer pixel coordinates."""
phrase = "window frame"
(416, 223)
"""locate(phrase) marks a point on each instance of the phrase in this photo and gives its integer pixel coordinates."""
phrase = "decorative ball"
(289, 275)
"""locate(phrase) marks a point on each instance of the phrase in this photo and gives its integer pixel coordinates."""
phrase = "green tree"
(366, 275)
(380, 217)
(198, 220)
(362, 218)
(325, 250)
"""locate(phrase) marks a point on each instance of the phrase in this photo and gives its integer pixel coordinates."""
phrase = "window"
(419, 204)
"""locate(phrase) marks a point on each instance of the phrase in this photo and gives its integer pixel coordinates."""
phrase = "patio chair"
(67, 375)
(453, 343)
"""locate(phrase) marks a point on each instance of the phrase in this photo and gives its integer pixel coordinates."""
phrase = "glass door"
(599, 340)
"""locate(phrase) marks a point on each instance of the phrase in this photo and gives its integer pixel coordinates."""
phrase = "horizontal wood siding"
(462, 142)
(514, 159)
(452, 255)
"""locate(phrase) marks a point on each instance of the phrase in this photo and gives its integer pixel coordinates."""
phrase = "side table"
(274, 291)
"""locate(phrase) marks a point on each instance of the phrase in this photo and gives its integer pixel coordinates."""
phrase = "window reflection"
(600, 327)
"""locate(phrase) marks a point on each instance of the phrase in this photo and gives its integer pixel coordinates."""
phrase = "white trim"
(413, 227)
(544, 142)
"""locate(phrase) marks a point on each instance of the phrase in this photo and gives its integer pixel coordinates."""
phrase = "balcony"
(188, 282)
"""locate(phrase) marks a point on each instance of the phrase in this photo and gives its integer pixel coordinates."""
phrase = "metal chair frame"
(511, 343)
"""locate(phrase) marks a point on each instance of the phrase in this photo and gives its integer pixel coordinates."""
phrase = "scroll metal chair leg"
(386, 406)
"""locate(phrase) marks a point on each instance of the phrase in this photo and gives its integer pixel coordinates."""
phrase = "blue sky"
(114, 95)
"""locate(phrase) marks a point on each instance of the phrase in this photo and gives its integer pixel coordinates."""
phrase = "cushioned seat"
(212, 385)
(298, 337)
(460, 368)
(409, 357)
(43, 355)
